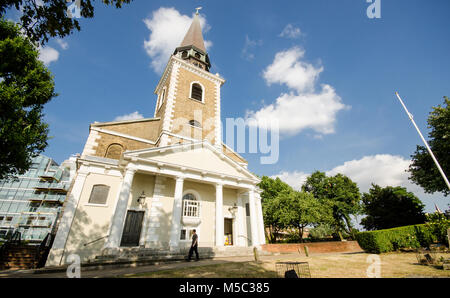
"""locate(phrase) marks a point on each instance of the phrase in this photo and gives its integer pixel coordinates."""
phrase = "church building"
(148, 183)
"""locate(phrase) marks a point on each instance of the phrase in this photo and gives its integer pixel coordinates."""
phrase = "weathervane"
(198, 8)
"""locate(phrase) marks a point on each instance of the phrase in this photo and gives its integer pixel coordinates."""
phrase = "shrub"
(415, 236)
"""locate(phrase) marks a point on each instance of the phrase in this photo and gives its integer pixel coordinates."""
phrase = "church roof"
(194, 35)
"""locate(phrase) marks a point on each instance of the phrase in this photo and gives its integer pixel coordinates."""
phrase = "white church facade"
(148, 183)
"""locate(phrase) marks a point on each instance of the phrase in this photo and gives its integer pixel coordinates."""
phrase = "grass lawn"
(331, 266)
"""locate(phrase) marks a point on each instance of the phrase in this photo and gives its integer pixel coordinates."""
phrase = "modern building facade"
(148, 183)
(31, 203)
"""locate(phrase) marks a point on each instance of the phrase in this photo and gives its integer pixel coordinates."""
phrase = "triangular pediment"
(200, 156)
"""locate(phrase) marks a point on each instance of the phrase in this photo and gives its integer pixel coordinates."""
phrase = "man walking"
(194, 246)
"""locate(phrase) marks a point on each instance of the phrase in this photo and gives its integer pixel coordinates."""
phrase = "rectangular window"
(183, 235)
(247, 209)
(191, 208)
(99, 194)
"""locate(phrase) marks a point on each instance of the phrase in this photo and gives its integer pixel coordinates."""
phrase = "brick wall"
(314, 247)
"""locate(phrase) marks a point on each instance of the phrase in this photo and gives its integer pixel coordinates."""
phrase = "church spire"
(192, 48)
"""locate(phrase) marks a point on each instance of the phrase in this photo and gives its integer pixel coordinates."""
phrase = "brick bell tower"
(188, 95)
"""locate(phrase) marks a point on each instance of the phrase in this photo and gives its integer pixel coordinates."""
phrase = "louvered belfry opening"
(196, 92)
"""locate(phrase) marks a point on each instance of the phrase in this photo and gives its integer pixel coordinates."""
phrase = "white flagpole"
(424, 141)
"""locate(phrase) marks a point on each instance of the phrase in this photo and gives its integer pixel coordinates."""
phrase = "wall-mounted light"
(141, 199)
(233, 209)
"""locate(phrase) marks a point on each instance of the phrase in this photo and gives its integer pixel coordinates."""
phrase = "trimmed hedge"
(415, 236)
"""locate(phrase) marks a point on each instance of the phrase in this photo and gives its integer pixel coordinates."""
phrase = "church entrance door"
(132, 229)
(228, 229)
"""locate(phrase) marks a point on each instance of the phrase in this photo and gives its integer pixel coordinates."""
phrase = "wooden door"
(132, 229)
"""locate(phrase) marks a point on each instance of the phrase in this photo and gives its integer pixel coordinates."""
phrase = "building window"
(184, 54)
(114, 151)
(195, 123)
(186, 234)
(247, 209)
(183, 235)
(197, 92)
(191, 207)
(99, 194)
(197, 55)
(162, 97)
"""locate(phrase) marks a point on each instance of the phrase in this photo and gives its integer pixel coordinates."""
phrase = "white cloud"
(287, 68)
(248, 45)
(303, 107)
(168, 28)
(63, 44)
(295, 179)
(290, 32)
(295, 112)
(381, 169)
(48, 55)
(132, 116)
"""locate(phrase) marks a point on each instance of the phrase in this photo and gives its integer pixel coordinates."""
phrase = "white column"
(56, 253)
(219, 215)
(241, 222)
(253, 217)
(259, 213)
(120, 212)
(176, 214)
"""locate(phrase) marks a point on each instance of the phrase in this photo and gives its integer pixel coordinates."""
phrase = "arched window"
(197, 92)
(191, 207)
(99, 194)
(189, 196)
(114, 151)
(195, 123)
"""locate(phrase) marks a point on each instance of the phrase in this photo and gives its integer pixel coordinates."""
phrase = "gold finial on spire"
(197, 9)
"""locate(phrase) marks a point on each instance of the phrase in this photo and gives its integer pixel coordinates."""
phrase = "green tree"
(391, 207)
(25, 86)
(423, 170)
(271, 189)
(48, 18)
(298, 210)
(339, 195)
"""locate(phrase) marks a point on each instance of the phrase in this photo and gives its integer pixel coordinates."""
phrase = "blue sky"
(323, 67)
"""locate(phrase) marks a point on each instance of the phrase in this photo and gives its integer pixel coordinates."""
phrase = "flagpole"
(424, 141)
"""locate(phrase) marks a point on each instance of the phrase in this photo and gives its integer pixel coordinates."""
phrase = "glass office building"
(31, 203)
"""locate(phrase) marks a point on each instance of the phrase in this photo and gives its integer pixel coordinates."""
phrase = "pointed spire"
(194, 35)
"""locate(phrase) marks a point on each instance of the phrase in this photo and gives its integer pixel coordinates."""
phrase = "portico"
(192, 200)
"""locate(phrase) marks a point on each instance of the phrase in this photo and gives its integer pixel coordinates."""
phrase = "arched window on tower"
(197, 92)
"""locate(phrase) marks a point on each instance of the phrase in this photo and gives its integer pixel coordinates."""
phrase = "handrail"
(86, 244)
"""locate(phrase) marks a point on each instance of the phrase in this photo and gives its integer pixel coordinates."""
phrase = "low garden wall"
(313, 247)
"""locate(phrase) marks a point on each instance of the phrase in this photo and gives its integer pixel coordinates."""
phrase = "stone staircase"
(149, 255)
(21, 257)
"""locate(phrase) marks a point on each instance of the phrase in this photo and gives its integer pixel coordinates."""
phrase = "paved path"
(118, 272)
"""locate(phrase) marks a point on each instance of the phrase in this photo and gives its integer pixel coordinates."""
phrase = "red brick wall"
(314, 247)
